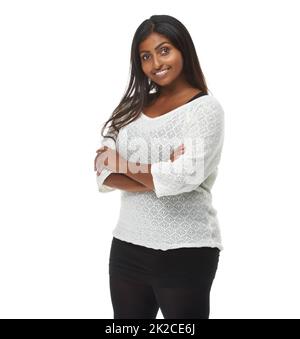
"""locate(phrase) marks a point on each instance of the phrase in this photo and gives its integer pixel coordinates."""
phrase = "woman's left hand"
(107, 158)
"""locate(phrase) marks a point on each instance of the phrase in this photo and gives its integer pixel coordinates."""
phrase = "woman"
(165, 247)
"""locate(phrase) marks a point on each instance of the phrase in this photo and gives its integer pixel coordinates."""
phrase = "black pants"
(178, 281)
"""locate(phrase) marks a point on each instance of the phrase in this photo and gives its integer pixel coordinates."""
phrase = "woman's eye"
(166, 48)
(163, 48)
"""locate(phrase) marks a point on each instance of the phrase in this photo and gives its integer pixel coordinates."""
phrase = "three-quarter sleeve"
(105, 171)
(203, 139)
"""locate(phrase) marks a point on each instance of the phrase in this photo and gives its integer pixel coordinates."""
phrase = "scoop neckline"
(174, 109)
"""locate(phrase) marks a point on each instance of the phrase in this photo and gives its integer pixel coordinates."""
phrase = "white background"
(64, 66)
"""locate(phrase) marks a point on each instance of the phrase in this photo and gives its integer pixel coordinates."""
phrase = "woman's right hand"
(177, 153)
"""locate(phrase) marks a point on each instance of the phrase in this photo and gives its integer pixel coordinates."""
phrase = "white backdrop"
(64, 66)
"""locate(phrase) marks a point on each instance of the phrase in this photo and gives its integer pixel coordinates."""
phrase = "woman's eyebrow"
(165, 42)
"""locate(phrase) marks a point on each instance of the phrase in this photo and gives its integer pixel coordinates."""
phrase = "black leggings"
(177, 281)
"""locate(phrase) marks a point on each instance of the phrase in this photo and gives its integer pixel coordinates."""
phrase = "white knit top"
(179, 212)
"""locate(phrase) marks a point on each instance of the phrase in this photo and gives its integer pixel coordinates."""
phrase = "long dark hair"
(140, 87)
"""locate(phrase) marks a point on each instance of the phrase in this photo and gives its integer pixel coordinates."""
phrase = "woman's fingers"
(103, 148)
(98, 151)
(95, 161)
(177, 152)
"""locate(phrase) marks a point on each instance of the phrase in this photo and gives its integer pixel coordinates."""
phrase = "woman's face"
(157, 53)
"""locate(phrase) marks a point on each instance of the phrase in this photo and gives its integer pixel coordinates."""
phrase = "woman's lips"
(162, 73)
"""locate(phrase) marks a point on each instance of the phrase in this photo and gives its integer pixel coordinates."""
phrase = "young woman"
(165, 247)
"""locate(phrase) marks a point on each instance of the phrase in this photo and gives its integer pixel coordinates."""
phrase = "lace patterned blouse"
(179, 211)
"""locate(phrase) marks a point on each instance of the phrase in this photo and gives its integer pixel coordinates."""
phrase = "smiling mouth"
(162, 73)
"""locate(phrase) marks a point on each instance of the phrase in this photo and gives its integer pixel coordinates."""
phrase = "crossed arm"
(207, 128)
(137, 182)
(125, 183)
